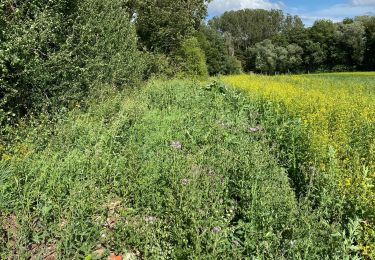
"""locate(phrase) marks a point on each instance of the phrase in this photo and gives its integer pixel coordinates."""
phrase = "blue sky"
(310, 11)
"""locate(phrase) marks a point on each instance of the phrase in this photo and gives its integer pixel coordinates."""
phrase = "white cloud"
(364, 2)
(338, 12)
(349, 8)
(220, 6)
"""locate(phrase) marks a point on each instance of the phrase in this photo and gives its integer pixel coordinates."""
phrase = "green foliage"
(350, 43)
(325, 46)
(232, 65)
(159, 64)
(322, 31)
(173, 171)
(293, 32)
(265, 56)
(244, 28)
(29, 54)
(54, 50)
(164, 25)
(341, 68)
(294, 60)
(107, 39)
(270, 58)
(314, 55)
(191, 59)
(218, 59)
(369, 57)
(333, 177)
(249, 26)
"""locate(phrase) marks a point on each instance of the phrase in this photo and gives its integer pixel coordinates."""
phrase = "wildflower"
(184, 182)
(176, 145)
(216, 230)
(6, 157)
(150, 219)
(211, 173)
(255, 129)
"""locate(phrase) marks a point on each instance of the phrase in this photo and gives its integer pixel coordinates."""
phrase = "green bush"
(53, 51)
(106, 41)
(191, 59)
(341, 68)
(216, 52)
(232, 65)
(159, 64)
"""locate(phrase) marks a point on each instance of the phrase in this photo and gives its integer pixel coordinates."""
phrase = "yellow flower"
(336, 113)
(6, 157)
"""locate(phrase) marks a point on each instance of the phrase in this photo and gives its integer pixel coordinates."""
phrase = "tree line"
(54, 52)
(272, 42)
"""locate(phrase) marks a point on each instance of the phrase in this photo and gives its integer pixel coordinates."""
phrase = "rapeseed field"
(325, 126)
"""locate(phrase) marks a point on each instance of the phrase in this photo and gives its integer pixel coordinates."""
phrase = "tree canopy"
(269, 41)
(163, 25)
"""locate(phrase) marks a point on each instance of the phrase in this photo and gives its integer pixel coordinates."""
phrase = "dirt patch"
(45, 252)
(9, 232)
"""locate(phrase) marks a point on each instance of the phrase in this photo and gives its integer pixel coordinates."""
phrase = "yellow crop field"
(336, 113)
(328, 123)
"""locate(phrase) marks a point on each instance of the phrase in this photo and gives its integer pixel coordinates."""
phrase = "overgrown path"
(177, 170)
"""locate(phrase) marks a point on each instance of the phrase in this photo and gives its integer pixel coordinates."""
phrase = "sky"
(309, 11)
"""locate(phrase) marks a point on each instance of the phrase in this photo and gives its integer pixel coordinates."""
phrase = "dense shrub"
(159, 64)
(218, 59)
(270, 58)
(340, 68)
(232, 65)
(52, 51)
(191, 59)
(163, 25)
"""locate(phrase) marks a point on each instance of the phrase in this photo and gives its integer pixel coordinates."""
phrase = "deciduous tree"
(163, 25)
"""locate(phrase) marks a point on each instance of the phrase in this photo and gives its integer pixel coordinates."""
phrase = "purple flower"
(255, 129)
(216, 230)
(176, 145)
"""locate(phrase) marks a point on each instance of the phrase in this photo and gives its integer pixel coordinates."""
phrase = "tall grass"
(174, 171)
